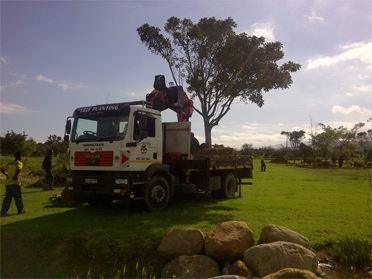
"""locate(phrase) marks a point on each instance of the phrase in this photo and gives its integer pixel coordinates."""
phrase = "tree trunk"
(208, 134)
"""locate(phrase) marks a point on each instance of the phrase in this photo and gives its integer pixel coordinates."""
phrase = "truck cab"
(110, 148)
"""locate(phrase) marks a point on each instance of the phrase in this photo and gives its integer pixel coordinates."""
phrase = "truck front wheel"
(157, 193)
(229, 186)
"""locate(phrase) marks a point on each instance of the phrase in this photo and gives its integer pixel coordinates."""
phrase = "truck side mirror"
(66, 139)
(68, 126)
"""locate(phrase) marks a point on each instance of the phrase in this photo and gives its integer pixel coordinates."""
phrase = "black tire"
(157, 193)
(228, 186)
(99, 202)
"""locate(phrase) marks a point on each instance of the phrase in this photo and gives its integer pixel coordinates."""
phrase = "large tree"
(295, 138)
(218, 65)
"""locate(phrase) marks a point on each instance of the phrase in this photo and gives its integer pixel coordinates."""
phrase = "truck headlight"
(121, 181)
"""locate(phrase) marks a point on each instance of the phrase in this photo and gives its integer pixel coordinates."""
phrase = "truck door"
(147, 147)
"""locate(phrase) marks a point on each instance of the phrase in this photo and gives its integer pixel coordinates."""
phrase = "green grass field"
(52, 240)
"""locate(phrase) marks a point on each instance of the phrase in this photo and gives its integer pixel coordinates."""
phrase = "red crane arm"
(173, 98)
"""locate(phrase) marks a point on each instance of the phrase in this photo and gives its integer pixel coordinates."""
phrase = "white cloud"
(20, 76)
(249, 127)
(44, 79)
(64, 85)
(281, 124)
(355, 45)
(364, 88)
(361, 52)
(363, 76)
(313, 17)
(69, 86)
(16, 82)
(12, 109)
(264, 30)
(4, 59)
(349, 94)
(351, 110)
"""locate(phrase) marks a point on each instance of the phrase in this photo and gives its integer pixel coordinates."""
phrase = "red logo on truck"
(143, 149)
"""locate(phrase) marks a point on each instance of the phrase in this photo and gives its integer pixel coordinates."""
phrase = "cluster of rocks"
(229, 249)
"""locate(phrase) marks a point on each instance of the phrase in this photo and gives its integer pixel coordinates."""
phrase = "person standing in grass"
(340, 161)
(333, 161)
(48, 166)
(13, 185)
(263, 165)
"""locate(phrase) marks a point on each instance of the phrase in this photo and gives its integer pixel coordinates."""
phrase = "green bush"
(352, 251)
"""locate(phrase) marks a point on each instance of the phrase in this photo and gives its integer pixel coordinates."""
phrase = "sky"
(60, 55)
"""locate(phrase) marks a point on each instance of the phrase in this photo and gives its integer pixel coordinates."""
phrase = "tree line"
(11, 142)
(324, 142)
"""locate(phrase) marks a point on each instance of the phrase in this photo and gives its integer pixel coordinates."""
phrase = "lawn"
(52, 240)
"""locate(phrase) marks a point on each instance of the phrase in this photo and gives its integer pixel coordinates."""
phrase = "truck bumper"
(115, 186)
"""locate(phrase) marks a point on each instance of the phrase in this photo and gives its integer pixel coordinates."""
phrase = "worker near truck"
(48, 166)
(263, 165)
(13, 185)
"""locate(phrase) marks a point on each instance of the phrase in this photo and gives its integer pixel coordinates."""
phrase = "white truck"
(123, 150)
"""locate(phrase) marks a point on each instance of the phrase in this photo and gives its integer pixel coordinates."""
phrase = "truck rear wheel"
(228, 186)
(157, 193)
(98, 202)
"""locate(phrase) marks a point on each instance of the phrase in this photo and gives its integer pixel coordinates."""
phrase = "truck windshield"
(99, 129)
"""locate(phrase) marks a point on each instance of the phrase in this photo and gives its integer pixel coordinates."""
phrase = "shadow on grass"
(82, 237)
(120, 218)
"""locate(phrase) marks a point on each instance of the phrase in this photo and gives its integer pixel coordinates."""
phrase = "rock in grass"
(291, 273)
(228, 241)
(271, 233)
(239, 268)
(182, 242)
(268, 258)
(197, 266)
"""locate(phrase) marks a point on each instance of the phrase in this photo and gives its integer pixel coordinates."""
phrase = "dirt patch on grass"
(279, 160)
(332, 269)
(59, 180)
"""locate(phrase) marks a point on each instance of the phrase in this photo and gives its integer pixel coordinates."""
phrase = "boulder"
(182, 242)
(271, 233)
(226, 277)
(239, 268)
(197, 266)
(228, 241)
(268, 258)
(292, 273)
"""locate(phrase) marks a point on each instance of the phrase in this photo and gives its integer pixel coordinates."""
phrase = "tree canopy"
(219, 65)
(12, 142)
(294, 138)
(340, 139)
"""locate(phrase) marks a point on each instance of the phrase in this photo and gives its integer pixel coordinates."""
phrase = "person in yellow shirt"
(13, 185)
